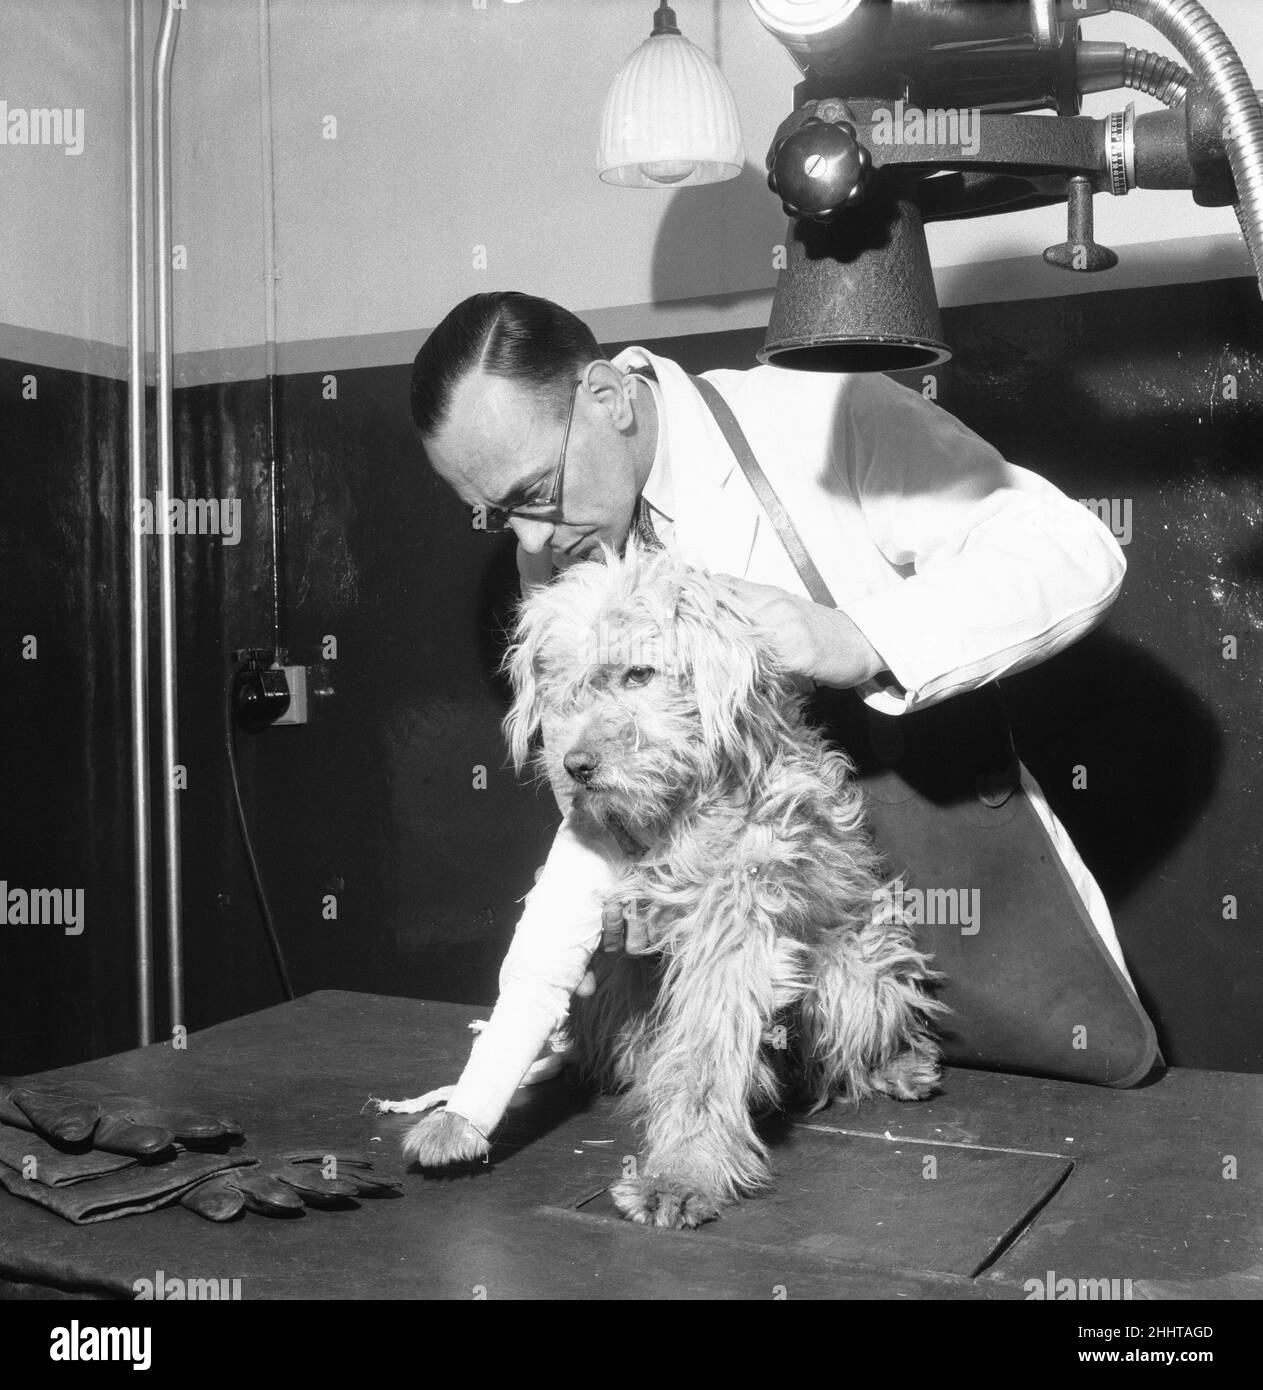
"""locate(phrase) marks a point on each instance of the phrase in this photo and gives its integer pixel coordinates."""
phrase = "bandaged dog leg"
(552, 947)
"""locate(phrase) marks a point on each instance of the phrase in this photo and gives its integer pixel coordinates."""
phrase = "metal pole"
(138, 578)
(276, 478)
(166, 543)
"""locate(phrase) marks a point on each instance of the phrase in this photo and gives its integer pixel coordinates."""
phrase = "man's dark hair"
(507, 334)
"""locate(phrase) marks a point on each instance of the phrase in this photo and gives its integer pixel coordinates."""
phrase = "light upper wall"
(63, 217)
(460, 125)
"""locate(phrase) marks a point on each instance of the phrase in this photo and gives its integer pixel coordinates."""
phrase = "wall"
(460, 125)
(375, 802)
(65, 813)
(1111, 393)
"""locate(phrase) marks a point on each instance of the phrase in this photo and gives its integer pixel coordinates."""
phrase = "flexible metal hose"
(1155, 76)
(1209, 52)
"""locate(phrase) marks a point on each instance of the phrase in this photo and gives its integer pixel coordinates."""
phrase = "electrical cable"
(230, 741)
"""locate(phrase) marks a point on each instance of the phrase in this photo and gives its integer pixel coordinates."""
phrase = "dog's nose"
(580, 763)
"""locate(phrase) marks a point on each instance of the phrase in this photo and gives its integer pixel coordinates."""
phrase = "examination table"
(996, 1185)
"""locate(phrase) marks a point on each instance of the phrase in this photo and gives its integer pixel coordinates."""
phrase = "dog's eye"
(639, 675)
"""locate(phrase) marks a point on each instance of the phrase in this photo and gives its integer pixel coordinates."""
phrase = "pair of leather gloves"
(93, 1159)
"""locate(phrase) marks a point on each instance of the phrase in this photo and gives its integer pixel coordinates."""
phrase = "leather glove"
(116, 1124)
(287, 1184)
(84, 1187)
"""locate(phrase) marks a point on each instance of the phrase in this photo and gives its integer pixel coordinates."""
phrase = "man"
(949, 566)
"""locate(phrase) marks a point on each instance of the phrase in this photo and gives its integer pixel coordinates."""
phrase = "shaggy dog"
(667, 722)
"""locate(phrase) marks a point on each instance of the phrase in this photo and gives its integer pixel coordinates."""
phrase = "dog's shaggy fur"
(668, 722)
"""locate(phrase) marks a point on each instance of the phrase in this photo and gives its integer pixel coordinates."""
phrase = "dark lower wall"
(1129, 396)
(64, 789)
(374, 803)
(378, 803)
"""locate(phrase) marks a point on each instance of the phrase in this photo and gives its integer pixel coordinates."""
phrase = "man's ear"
(613, 390)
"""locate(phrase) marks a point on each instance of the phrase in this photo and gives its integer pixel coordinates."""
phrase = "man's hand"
(620, 931)
(813, 642)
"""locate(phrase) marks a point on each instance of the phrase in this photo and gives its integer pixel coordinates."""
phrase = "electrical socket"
(296, 679)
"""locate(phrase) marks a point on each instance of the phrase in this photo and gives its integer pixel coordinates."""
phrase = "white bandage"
(555, 939)
(414, 1106)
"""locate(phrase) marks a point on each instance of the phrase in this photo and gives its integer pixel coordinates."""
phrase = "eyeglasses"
(548, 507)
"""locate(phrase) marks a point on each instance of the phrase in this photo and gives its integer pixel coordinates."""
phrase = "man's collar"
(691, 480)
(659, 489)
(677, 400)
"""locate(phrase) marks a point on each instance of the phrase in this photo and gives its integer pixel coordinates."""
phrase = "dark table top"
(1147, 1196)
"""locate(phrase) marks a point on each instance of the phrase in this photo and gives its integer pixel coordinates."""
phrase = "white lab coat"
(955, 564)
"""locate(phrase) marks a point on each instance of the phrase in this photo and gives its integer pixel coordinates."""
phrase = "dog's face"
(648, 684)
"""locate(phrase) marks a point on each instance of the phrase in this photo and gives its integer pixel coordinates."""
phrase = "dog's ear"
(551, 646)
(732, 670)
(521, 663)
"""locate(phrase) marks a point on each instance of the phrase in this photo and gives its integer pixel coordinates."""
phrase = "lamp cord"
(269, 926)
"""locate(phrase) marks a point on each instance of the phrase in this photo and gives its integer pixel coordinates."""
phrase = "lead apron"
(1031, 986)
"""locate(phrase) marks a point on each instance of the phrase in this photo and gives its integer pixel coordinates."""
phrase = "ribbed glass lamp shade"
(670, 120)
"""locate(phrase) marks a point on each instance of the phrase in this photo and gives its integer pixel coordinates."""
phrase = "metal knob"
(820, 167)
(1080, 251)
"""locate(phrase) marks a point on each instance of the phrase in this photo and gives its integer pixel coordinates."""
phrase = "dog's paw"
(443, 1138)
(912, 1075)
(658, 1201)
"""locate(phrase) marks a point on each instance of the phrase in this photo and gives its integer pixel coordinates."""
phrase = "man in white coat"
(949, 566)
